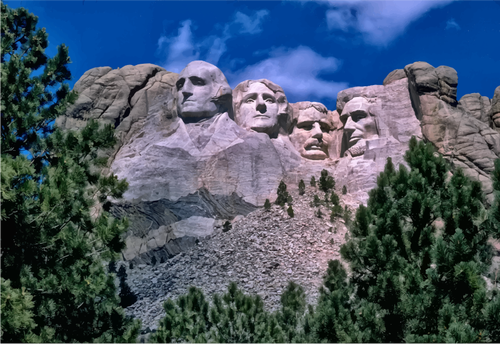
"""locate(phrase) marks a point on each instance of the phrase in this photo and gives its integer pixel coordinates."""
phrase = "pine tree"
(232, 318)
(127, 297)
(313, 182)
(227, 226)
(302, 187)
(290, 211)
(316, 201)
(412, 279)
(319, 213)
(344, 190)
(267, 205)
(283, 195)
(53, 247)
(334, 198)
(326, 182)
(346, 216)
(336, 212)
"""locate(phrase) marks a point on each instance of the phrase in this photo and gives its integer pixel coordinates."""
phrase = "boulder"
(395, 75)
(477, 105)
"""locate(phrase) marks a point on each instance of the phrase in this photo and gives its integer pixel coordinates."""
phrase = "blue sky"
(313, 49)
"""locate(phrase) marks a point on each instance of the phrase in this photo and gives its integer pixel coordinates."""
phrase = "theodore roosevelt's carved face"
(198, 86)
(311, 135)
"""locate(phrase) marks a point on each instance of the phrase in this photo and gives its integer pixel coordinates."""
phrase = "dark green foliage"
(316, 201)
(267, 205)
(295, 320)
(327, 198)
(334, 199)
(127, 297)
(347, 216)
(410, 280)
(313, 182)
(17, 314)
(236, 318)
(318, 213)
(283, 195)
(302, 187)
(53, 245)
(336, 212)
(227, 226)
(326, 182)
(344, 190)
(290, 211)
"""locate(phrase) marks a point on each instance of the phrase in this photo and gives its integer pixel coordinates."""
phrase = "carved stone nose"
(261, 107)
(317, 133)
(349, 125)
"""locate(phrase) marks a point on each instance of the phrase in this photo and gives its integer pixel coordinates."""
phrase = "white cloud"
(379, 22)
(250, 24)
(452, 24)
(297, 71)
(180, 49)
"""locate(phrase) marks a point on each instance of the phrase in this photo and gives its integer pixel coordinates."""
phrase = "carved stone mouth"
(315, 146)
(260, 116)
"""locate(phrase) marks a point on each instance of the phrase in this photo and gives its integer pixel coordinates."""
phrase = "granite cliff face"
(196, 153)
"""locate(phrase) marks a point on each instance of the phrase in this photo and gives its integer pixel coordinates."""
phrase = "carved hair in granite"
(202, 92)
(312, 128)
(261, 105)
(360, 126)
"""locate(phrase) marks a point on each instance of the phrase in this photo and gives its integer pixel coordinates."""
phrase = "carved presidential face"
(259, 109)
(311, 135)
(196, 88)
(360, 125)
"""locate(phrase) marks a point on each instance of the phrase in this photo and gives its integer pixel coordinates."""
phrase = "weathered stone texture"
(461, 132)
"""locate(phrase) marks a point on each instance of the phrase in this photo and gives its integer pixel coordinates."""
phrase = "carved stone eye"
(180, 83)
(197, 81)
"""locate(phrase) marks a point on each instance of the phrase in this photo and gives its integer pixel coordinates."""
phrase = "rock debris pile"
(261, 253)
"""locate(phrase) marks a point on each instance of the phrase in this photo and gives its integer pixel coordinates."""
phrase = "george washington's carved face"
(197, 86)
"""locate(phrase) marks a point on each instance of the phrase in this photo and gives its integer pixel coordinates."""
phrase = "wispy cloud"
(451, 24)
(297, 71)
(378, 22)
(178, 50)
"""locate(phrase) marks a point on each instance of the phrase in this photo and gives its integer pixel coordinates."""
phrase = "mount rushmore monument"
(197, 153)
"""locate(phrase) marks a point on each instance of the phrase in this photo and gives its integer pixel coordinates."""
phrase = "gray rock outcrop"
(495, 109)
(460, 131)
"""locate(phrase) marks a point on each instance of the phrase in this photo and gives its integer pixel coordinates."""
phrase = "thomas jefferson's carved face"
(311, 136)
(360, 124)
(195, 90)
(259, 109)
